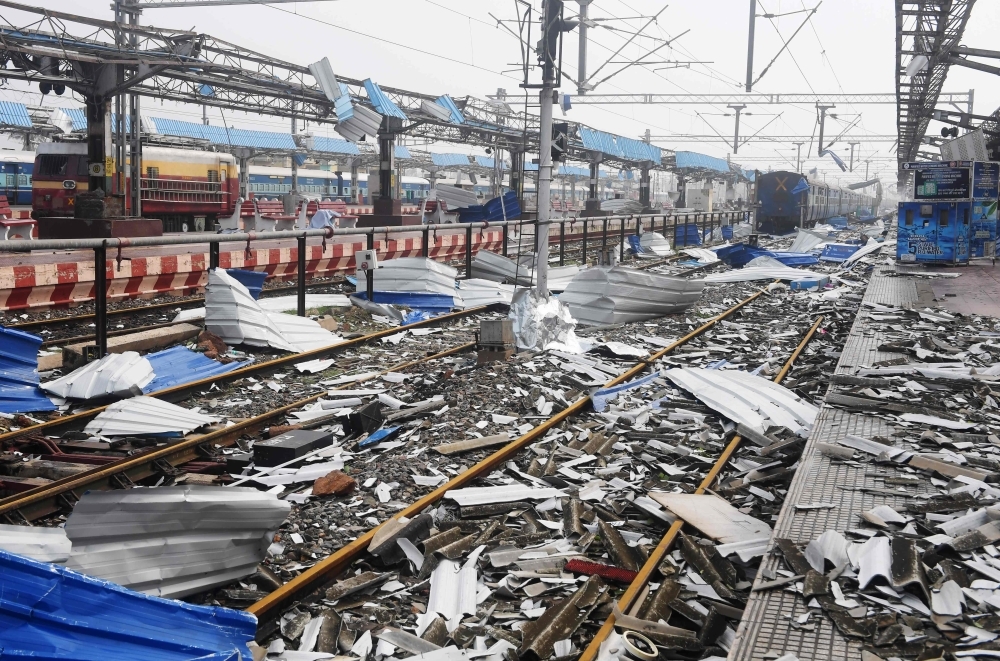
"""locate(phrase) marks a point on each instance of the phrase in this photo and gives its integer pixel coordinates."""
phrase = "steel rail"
(328, 568)
(41, 500)
(638, 585)
(153, 306)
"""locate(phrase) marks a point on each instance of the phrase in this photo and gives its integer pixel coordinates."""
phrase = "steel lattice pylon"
(931, 29)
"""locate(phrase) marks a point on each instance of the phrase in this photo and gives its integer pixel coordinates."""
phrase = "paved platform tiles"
(766, 631)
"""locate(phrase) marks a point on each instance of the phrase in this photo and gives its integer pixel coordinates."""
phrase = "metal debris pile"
(917, 575)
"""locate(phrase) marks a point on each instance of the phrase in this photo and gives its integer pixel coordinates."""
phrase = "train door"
(10, 182)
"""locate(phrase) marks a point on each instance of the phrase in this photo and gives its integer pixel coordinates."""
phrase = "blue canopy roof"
(382, 103)
(14, 114)
(334, 145)
(221, 135)
(690, 159)
(450, 160)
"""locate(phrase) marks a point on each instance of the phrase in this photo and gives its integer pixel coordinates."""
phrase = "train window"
(152, 173)
(11, 180)
(82, 166)
(943, 218)
(53, 165)
(22, 180)
(909, 217)
(213, 176)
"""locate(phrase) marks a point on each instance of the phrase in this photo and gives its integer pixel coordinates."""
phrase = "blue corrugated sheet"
(14, 114)
(343, 106)
(740, 254)
(450, 160)
(19, 391)
(383, 104)
(497, 209)
(456, 115)
(401, 152)
(690, 159)
(840, 222)
(415, 300)
(486, 161)
(637, 150)
(687, 235)
(221, 135)
(179, 365)
(530, 167)
(50, 612)
(599, 141)
(335, 146)
(79, 118)
(252, 280)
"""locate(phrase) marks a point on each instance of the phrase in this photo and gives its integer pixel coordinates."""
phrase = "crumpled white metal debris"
(744, 398)
(655, 243)
(233, 314)
(35, 542)
(172, 541)
(115, 375)
(491, 266)
(621, 294)
(808, 239)
(476, 292)
(767, 268)
(146, 416)
(704, 255)
(415, 274)
(543, 323)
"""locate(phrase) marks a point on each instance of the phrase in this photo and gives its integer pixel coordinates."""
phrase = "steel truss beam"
(751, 99)
(930, 29)
(191, 67)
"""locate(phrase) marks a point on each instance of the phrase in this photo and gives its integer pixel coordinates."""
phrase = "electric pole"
(798, 157)
(853, 145)
(736, 134)
(822, 108)
(553, 26)
(581, 67)
(753, 22)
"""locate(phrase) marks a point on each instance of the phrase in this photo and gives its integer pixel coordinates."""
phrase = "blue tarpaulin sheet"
(252, 280)
(740, 254)
(52, 613)
(634, 244)
(179, 365)
(19, 391)
(601, 398)
(840, 222)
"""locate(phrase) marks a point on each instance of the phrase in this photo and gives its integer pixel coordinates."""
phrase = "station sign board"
(941, 180)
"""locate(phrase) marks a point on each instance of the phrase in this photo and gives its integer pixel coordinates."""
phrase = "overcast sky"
(447, 46)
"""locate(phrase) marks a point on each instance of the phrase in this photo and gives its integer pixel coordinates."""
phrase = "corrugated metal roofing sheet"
(115, 375)
(50, 611)
(146, 416)
(179, 365)
(637, 150)
(334, 145)
(221, 135)
(402, 152)
(690, 159)
(381, 101)
(78, 117)
(599, 141)
(14, 114)
(486, 161)
(450, 160)
(414, 274)
(36, 542)
(456, 115)
(172, 541)
(19, 391)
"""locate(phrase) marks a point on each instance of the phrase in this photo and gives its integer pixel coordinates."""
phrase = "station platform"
(769, 629)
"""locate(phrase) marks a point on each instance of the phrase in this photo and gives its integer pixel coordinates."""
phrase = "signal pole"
(798, 157)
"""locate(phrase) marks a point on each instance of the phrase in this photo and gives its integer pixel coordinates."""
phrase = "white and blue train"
(15, 178)
(266, 181)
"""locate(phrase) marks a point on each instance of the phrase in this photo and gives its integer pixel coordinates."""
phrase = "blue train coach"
(785, 200)
(15, 180)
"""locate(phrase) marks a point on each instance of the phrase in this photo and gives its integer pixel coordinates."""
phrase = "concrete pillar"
(644, 187)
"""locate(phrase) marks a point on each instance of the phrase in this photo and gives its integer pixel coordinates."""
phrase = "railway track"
(45, 500)
(300, 588)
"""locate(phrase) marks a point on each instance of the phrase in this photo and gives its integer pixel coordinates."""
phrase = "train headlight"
(69, 184)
